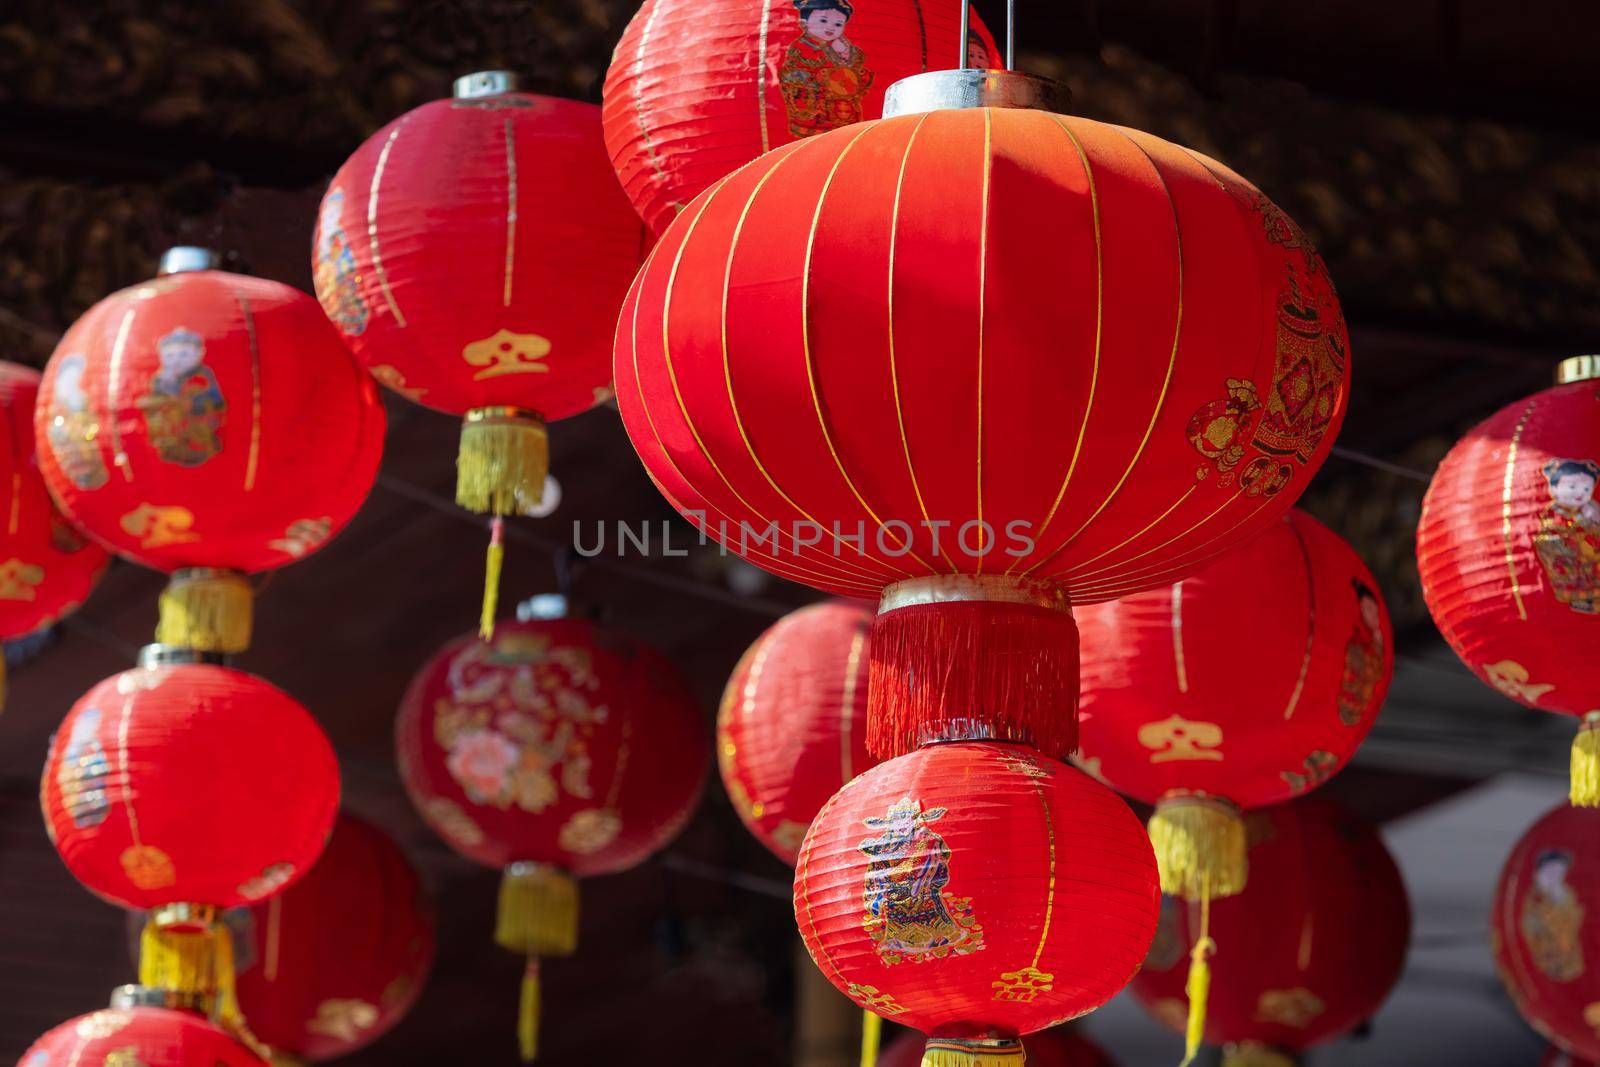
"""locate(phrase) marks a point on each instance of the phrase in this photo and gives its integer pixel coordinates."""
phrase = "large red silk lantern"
(792, 726)
(698, 88)
(956, 360)
(554, 751)
(1311, 947)
(1545, 932)
(978, 892)
(1508, 550)
(474, 253)
(209, 425)
(1059, 1047)
(334, 962)
(138, 1037)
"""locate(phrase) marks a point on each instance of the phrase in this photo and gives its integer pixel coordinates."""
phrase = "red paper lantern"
(978, 892)
(961, 362)
(206, 424)
(792, 726)
(1508, 550)
(138, 1037)
(333, 963)
(555, 751)
(1547, 951)
(1309, 950)
(698, 88)
(1060, 1047)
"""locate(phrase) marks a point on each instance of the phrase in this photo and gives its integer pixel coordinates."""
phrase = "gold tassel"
(1002, 1052)
(528, 1015)
(1201, 847)
(183, 949)
(206, 609)
(1250, 1054)
(502, 462)
(491, 578)
(1198, 986)
(871, 1038)
(538, 913)
(1586, 763)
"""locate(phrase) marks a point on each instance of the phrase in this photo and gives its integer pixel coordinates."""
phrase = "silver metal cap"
(484, 83)
(1578, 369)
(125, 997)
(169, 655)
(181, 259)
(954, 90)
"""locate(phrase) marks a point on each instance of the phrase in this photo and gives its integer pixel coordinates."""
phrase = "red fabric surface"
(946, 317)
(1310, 948)
(1510, 572)
(1060, 1047)
(557, 742)
(1543, 931)
(330, 965)
(792, 725)
(474, 252)
(698, 88)
(191, 783)
(208, 419)
(1254, 680)
(47, 568)
(972, 886)
(151, 1037)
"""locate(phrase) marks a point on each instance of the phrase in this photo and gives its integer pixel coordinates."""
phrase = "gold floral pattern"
(1314, 770)
(147, 867)
(156, 526)
(874, 1000)
(589, 831)
(1511, 678)
(19, 580)
(1176, 738)
(303, 536)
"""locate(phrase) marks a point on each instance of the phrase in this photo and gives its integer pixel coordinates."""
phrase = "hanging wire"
(1011, 34)
(966, 24)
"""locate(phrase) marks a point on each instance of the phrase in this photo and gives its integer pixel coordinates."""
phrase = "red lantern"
(957, 359)
(188, 788)
(1309, 950)
(1060, 1047)
(698, 88)
(792, 727)
(207, 424)
(978, 892)
(138, 1037)
(1544, 947)
(492, 297)
(333, 963)
(553, 752)
(46, 567)
(1508, 550)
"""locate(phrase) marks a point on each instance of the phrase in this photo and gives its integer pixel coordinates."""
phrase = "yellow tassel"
(1201, 848)
(502, 462)
(491, 579)
(1586, 763)
(207, 609)
(538, 913)
(871, 1038)
(1250, 1054)
(528, 1015)
(1198, 988)
(183, 949)
(1002, 1052)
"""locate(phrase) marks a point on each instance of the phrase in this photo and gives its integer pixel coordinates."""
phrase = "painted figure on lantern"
(1363, 657)
(1552, 919)
(909, 914)
(74, 431)
(81, 776)
(184, 408)
(1568, 539)
(1308, 375)
(978, 56)
(337, 278)
(824, 76)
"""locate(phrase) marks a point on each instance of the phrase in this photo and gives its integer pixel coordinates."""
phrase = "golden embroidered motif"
(909, 914)
(1177, 738)
(147, 867)
(1568, 538)
(343, 1019)
(184, 407)
(1220, 429)
(269, 881)
(1022, 986)
(1297, 1007)
(1511, 678)
(1363, 657)
(390, 377)
(824, 76)
(337, 278)
(505, 352)
(874, 1000)
(82, 774)
(589, 831)
(303, 536)
(19, 580)
(157, 527)
(1316, 769)
(1552, 918)
(73, 430)
(453, 822)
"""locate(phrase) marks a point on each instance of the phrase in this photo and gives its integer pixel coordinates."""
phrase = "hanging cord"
(1011, 34)
(871, 1037)
(1198, 986)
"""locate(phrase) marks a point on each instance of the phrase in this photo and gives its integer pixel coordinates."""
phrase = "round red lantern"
(956, 359)
(792, 726)
(978, 892)
(1544, 948)
(492, 296)
(330, 965)
(139, 1037)
(209, 425)
(759, 74)
(554, 751)
(1060, 1047)
(47, 568)
(1508, 550)
(1310, 948)
(185, 788)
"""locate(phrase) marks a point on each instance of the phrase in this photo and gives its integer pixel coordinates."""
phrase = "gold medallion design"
(343, 1020)
(1511, 678)
(1314, 770)
(909, 914)
(1177, 738)
(1023, 986)
(875, 1001)
(19, 580)
(1552, 918)
(824, 76)
(589, 831)
(303, 536)
(157, 527)
(337, 279)
(183, 407)
(73, 430)
(1297, 1007)
(147, 867)
(1363, 657)
(1568, 538)
(507, 353)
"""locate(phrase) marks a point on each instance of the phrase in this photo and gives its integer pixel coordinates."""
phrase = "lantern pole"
(1011, 34)
(966, 30)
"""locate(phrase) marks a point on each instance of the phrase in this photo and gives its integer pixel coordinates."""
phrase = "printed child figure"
(1552, 918)
(824, 76)
(184, 408)
(1568, 538)
(1363, 657)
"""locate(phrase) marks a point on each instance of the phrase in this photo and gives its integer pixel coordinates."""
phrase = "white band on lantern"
(957, 588)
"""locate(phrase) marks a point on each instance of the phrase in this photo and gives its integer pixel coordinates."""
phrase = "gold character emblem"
(303, 535)
(1314, 770)
(507, 353)
(269, 881)
(344, 1020)
(589, 831)
(875, 1001)
(1511, 678)
(1297, 1007)
(1177, 738)
(1022, 986)
(19, 580)
(148, 867)
(157, 527)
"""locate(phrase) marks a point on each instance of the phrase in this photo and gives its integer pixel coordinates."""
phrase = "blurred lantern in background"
(473, 253)
(184, 789)
(553, 752)
(1508, 550)
(699, 88)
(1311, 948)
(1247, 684)
(792, 726)
(333, 963)
(138, 1037)
(209, 425)
(1557, 1057)
(1544, 931)
(1059, 1047)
